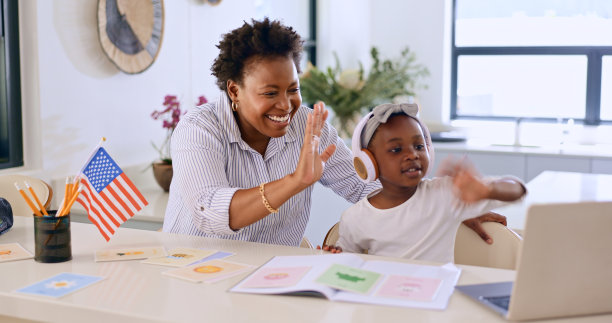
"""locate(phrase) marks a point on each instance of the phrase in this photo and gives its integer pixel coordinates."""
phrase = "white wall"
(73, 95)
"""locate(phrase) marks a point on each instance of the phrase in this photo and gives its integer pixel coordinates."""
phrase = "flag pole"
(77, 177)
(93, 152)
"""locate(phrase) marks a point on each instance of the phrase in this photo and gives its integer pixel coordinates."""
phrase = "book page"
(299, 280)
(408, 285)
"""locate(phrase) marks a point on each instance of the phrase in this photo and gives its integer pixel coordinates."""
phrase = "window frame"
(593, 54)
(13, 144)
(310, 45)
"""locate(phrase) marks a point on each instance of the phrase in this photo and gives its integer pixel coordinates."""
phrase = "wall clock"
(131, 32)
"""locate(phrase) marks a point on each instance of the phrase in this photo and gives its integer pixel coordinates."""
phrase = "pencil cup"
(52, 238)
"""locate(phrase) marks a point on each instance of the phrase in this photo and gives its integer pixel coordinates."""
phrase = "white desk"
(558, 187)
(136, 292)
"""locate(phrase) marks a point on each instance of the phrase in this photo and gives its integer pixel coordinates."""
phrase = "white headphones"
(363, 160)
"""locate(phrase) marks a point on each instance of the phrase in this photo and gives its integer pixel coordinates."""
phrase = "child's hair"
(363, 160)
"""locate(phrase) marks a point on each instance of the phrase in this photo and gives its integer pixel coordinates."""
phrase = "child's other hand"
(476, 224)
(469, 188)
(332, 249)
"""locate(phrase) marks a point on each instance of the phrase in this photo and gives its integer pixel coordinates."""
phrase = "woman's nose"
(285, 102)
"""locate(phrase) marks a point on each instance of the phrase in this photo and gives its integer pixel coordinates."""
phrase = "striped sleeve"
(199, 160)
(339, 175)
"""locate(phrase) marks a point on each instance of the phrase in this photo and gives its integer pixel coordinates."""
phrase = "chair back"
(470, 249)
(306, 243)
(332, 235)
(18, 204)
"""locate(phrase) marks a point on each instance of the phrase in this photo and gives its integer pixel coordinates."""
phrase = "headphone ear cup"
(365, 166)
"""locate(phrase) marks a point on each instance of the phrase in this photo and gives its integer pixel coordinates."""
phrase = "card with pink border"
(276, 277)
(421, 289)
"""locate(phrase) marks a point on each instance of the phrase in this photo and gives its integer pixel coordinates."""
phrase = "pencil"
(27, 199)
(40, 206)
(75, 184)
(72, 199)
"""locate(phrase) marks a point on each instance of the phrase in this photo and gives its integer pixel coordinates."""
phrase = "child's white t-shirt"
(424, 227)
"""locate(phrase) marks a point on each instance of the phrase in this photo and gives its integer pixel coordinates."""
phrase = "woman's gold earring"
(234, 106)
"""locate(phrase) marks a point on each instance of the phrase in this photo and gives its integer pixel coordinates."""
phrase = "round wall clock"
(131, 32)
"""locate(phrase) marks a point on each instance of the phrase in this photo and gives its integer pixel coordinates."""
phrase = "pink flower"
(171, 114)
(201, 100)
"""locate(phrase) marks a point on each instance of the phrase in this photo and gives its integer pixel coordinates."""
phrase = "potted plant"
(349, 92)
(170, 115)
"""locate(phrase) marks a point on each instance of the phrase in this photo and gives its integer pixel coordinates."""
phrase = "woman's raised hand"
(311, 164)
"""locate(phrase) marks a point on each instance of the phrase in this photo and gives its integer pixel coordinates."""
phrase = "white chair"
(18, 204)
(306, 243)
(470, 249)
(332, 235)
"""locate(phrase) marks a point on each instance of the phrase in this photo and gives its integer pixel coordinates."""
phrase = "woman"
(244, 165)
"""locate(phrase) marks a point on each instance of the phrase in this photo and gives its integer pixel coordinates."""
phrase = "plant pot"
(163, 175)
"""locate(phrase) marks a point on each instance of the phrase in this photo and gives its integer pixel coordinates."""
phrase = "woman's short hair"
(260, 39)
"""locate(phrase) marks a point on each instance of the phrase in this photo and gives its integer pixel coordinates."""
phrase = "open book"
(347, 277)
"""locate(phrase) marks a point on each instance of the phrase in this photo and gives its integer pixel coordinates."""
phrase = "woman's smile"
(281, 119)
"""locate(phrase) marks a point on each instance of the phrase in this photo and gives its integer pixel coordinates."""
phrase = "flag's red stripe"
(94, 221)
(120, 200)
(100, 206)
(91, 208)
(112, 206)
(134, 189)
(106, 237)
(128, 195)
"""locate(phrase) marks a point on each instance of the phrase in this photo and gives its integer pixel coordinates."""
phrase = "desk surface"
(138, 292)
(558, 187)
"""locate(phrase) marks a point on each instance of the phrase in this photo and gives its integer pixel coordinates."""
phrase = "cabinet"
(538, 164)
(487, 164)
(601, 166)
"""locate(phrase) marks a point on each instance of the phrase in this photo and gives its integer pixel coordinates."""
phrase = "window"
(11, 146)
(544, 60)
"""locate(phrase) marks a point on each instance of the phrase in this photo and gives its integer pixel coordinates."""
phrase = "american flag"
(108, 195)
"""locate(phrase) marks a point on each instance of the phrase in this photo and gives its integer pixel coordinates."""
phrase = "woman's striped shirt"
(211, 162)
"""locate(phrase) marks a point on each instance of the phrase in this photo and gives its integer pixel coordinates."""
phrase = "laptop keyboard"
(501, 301)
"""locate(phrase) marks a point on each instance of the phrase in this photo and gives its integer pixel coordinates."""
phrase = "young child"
(412, 217)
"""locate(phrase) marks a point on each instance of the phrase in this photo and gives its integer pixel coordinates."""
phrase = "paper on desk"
(348, 278)
(436, 286)
(216, 255)
(180, 257)
(209, 271)
(60, 285)
(273, 277)
(129, 253)
(13, 251)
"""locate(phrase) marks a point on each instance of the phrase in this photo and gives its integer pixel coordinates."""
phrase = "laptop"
(564, 265)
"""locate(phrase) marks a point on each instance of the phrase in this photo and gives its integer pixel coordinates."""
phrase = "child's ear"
(366, 166)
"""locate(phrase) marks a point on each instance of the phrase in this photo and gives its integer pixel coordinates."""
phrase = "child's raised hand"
(469, 188)
(332, 249)
(450, 166)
